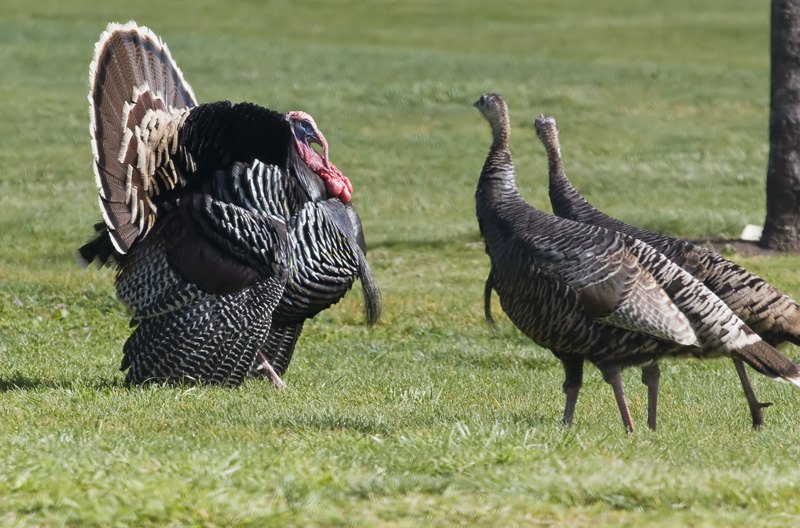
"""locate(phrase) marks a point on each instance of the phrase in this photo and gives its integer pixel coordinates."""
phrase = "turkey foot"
(263, 365)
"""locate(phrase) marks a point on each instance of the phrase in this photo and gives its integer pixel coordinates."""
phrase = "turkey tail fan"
(204, 341)
(132, 76)
(768, 361)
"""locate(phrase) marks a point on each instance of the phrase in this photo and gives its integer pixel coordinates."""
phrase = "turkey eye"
(306, 127)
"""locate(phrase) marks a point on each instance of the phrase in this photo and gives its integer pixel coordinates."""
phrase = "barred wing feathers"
(186, 333)
(611, 284)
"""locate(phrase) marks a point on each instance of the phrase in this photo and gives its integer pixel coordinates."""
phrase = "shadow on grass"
(432, 243)
(26, 383)
(422, 420)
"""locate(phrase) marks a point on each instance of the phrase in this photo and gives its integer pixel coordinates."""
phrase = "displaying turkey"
(587, 293)
(214, 215)
(769, 312)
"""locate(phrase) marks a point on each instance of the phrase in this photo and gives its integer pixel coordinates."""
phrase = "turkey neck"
(310, 183)
(498, 202)
(566, 201)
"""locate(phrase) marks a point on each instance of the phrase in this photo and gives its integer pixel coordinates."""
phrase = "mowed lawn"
(428, 419)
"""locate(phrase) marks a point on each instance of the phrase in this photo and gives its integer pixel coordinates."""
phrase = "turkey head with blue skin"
(306, 133)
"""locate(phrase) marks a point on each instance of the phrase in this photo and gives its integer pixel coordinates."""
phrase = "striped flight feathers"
(612, 285)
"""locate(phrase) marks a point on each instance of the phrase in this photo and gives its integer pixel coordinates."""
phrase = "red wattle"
(345, 195)
(337, 184)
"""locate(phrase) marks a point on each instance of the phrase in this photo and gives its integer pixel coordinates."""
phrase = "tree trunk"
(782, 225)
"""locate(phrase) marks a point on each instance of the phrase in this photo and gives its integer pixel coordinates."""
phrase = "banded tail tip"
(794, 379)
(789, 377)
(81, 260)
(791, 373)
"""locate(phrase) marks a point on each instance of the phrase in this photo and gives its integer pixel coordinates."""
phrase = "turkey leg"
(651, 375)
(612, 377)
(573, 380)
(263, 364)
(752, 402)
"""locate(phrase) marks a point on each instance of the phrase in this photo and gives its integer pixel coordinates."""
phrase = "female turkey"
(203, 263)
(586, 292)
(769, 312)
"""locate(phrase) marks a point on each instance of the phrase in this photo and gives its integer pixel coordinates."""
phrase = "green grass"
(429, 418)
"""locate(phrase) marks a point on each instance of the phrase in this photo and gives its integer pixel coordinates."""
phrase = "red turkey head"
(305, 132)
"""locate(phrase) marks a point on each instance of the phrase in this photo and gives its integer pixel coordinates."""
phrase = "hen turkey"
(769, 312)
(585, 292)
(201, 206)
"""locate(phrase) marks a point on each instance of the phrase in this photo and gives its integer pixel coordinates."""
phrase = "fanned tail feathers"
(137, 99)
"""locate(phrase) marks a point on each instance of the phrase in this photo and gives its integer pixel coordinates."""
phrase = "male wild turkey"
(209, 212)
(769, 312)
(586, 292)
